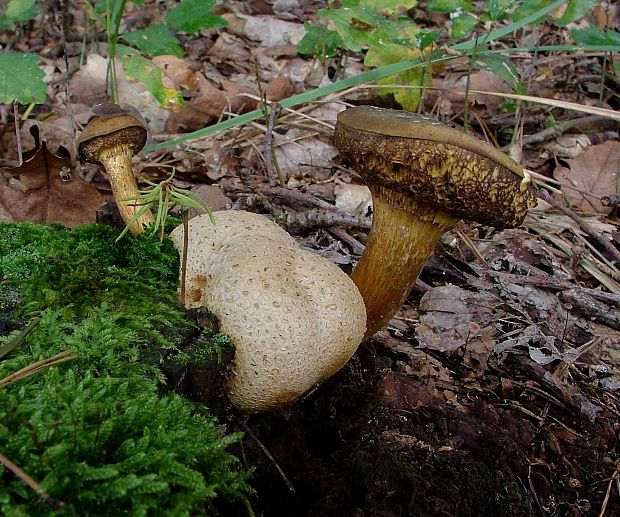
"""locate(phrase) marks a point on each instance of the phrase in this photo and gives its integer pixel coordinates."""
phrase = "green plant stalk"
(113, 23)
(19, 339)
(365, 77)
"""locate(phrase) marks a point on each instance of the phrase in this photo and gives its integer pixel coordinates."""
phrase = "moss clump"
(101, 434)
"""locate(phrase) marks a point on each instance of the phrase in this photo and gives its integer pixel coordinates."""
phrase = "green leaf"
(575, 10)
(150, 75)
(320, 42)
(155, 40)
(428, 38)
(529, 7)
(462, 24)
(449, 6)
(18, 11)
(595, 36)
(192, 15)
(21, 79)
(354, 25)
(389, 53)
(501, 66)
(498, 9)
(388, 5)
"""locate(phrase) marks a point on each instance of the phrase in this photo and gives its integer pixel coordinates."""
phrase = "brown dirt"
(378, 441)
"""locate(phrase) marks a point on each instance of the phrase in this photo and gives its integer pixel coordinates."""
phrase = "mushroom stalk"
(117, 163)
(424, 177)
(397, 249)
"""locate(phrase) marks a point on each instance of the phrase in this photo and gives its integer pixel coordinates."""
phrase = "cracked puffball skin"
(294, 317)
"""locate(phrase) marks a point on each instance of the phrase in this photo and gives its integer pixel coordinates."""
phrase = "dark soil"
(378, 441)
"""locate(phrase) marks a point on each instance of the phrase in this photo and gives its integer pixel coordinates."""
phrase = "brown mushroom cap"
(440, 168)
(104, 132)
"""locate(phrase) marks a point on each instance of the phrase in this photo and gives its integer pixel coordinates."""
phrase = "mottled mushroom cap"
(434, 167)
(115, 127)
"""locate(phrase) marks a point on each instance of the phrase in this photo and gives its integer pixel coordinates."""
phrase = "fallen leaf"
(177, 71)
(213, 196)
(353, 199)
(88, 86)
(209, 105)
(590, 176)
(47, 189)
(272, 32)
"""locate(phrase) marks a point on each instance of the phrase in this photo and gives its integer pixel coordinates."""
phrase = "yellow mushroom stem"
(117, 163)
(402, 238)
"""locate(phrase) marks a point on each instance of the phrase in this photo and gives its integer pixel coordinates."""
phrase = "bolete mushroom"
(111, 139)
(294, 317)
(423, 177)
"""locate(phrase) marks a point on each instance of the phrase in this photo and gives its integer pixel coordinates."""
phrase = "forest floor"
(495, 390)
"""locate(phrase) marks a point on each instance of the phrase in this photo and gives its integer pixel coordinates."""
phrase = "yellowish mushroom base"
(117, 163)
(399, 245)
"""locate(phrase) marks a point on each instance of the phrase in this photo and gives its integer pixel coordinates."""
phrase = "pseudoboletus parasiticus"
(294, 317)
(111, 138)
(423, 177)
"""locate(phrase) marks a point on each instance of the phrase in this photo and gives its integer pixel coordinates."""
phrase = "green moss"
(102, 434)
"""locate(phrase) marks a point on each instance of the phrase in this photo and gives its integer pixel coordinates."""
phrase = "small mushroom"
(423, 177)
(111, 139)
(294, 317)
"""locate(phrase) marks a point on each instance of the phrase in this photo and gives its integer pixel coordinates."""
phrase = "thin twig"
(17, 135)
(556, 203)
(268, 146)
(184, 258)
(614, 477)
(31, 483)
(356, 246)
(33, 368)
(65, 10)
(470, 244)
(558, 129)
(555, 284)
(288, 484)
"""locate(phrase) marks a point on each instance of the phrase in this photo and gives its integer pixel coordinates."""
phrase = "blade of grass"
(365, 77)
(18, 340)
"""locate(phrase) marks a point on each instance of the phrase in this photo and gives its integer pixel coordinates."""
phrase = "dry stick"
(288, 484)
(615, 476)
(17, 135)
(554, 283)
(470, 244)
(268, 146)
(31, 483)
(356, 246)
(65, 8)
(299, 222)
(184, 259)
(33, 368)
(556, 203)
(557, 130)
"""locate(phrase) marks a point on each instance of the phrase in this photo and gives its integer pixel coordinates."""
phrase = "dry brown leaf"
(213, 196)
(210, 104)
(450, 89)
(591, 176)
(280, 88)
(177, 71)
(47, 189)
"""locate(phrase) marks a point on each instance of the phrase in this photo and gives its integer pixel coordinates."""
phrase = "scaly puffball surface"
(294, 317)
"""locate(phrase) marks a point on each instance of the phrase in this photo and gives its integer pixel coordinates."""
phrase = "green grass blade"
(365, 77)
